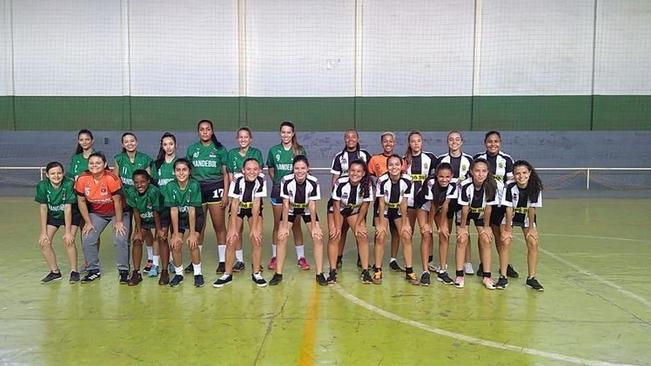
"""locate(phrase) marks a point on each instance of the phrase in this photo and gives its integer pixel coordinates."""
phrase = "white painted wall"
(6, 87)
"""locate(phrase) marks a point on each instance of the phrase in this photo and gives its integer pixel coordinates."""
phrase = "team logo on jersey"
(464, 167)
(87, 190)
(103, 190)
(344, 196)
(426, 166)
(195, 155)
(501, 165)
(212, 155)
(515, 197)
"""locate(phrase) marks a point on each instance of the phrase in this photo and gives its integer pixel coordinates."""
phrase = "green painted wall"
(329, 113)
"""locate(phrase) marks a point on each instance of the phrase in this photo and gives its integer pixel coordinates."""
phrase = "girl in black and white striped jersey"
(351, 198)
(521, 199)
(501, 167)
(299, 192)
(460, 163)
(433, 202)
(394, 190)
(477, 198)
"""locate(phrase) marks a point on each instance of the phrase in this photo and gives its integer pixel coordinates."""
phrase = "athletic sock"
(300, 251)
(150, 252)
(239, 255)
(460, 273)
(430, 258)
(392, 260)
(156, 260)
(273, 250)
(178, 270)
(197, 268)
(409, 270)
(221, 248)
(487, 274)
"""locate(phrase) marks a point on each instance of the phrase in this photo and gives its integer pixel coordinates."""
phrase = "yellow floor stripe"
(306, 358)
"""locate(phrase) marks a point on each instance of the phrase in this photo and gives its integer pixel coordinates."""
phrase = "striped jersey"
(342, 160)
(299, 194)
(476, 199)
(420, 167)
(501, 165)
(460, 165)
(246, 191)
(430, 192)
(350, 196)
(393, 193)
(516, 197)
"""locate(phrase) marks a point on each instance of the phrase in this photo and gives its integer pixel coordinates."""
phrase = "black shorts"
(331, 206)
(497, 215)
(212, 191)
(248, 213)
(198, 224)
(306, 218)
(76, 219)
(392, 214)
(478, 222)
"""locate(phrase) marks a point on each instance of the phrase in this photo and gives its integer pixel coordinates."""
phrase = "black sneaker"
(340, 261)
(221, 268)
(74, 277)
(332, 277)
(91, 276)
(198, 281)
(258, 279)
(189, 268)
(366, 277)
(443, 277)
(222, 281)
(395, 267)
(52, 276)
(321, 279)
(124, 277)
(511, 273)
(276, 279)
(135, 278)
(425, 279)
(238, 266)
(534, 284)
(502, 283)
(149, 266)
(480, 269)
(176, 280)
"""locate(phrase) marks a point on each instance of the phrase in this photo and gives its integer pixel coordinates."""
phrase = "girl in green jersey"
(79, 162)
(163, 173)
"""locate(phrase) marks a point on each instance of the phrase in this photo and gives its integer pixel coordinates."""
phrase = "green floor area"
(596, 308)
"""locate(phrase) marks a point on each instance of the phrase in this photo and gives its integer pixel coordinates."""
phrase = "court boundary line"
(596, 237)
(469, 339)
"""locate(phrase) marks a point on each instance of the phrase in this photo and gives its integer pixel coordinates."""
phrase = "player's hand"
(533, 233)
(177, 241)
(444, 229)
(224, 202)
(461, 232)
(406, 229)
(256, 236)
(486, 231)
(283, 232)
(361, 230)
(162, 234)
(88, 227)
(232, 237)
(68, 239)
(335, 233)
(317, 233)
(426, 229)
(120, 229)
(43, 240)
(193, 240)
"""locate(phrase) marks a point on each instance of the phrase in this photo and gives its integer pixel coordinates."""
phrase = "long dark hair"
(440, 192)
(160, 159)
(125, 135)
(365, 183)
(212, 137)
(53, 164)
(535, 185)
(409, 152)
(490, 184)
(84, 131)
(297, 148)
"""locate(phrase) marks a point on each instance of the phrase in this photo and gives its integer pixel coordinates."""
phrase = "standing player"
(235, 163)
(501, 167)
(58, 207)
(208, 158)
(300, 191)
(79, 161)
(521, 198)
(279, 161)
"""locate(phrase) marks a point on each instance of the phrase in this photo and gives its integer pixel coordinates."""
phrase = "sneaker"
(302, 263)
(276, 279)
(153, 272)
(124, 277)
(377, 277)
(488, 283)
(467, 269)
(198, 281)
(480, 269)
(176, 280)
(395, 267)
(511, 273)
(272, 263)
(321, 279)
(221, 268)
(91, 276)
(412, 278)
(149, 266)
(425, 279)
(74, 277)
(534, 284)
(135, 278)
(239, 266)
(366, 277)
(459, 282)
(433, 267)
(502, 283)
(189, 268)
(332, 277)
(340, 261)
(443, 277)
(52, 276)
(258, 279)
(222, 281)
(164, 278)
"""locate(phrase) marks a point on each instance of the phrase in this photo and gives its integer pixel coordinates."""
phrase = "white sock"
(200, 248)
(239, 255)
(197, 268)
(156, 260)
(150, 252)
(221, 248)
(273, 250)
(392, 260)
(178, 270)
(300, 251)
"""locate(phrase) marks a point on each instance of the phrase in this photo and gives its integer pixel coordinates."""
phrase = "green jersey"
(77, 165)
(281, 160)
(174, 196)
(207, 161)
(145, 203)
(236, 160)
(141, 161)
(164, 174)
(56, 199)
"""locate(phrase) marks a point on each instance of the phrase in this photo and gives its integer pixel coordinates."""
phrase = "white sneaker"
(467, 268)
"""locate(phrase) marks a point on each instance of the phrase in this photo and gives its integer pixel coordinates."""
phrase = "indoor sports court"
(566, 84)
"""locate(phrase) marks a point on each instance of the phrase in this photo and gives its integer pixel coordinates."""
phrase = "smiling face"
(243, 139)
(182, 172)
(356, 173)
(251, 170)
(169, 146)
(454, 142)
(85, 141)
(415, 143)
(129, 143)
(286, 135)
(521, 174)
(351, 139)
(96, 165)
(55, 175)
(394, 165)
(443, 177)
(141, 183)
(479, 172)
(300, 170)
(493, 144)
(388, 144)
(205, 132)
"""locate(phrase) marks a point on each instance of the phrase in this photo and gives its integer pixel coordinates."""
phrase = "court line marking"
(597, 237)
(464, 338)
(307, 354)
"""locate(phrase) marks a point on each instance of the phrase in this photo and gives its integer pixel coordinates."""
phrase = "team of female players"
(164, 204)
